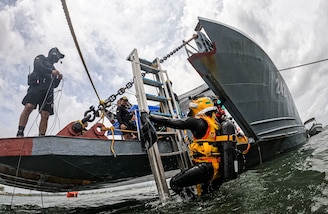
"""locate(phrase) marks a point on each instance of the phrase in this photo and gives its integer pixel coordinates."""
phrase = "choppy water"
(295, 182)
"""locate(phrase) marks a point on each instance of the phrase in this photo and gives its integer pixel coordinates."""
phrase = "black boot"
(20, 132)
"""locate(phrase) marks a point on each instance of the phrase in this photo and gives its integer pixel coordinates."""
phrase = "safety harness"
(205, 149)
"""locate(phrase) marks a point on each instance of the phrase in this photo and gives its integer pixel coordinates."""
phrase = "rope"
(57, 94)
(46, 96)
(16, 174)
(112, 144)
(69, 22)
(297, 66)
(112, 129)
(127, 131)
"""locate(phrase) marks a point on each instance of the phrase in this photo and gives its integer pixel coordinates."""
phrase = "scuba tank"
(230, 162)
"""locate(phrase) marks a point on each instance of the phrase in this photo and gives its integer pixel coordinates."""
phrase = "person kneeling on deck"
(204, 149)
(126, 119)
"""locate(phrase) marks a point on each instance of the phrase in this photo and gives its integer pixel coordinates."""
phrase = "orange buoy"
(71, 194)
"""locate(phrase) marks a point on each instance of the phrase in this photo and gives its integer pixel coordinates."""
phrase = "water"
(295, 182)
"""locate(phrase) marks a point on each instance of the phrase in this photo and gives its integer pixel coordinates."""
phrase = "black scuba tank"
(227, 128)
(229, 151)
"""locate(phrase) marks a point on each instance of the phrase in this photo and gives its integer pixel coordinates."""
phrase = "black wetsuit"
(197, 126)
(124, 117)
(41, 84)
(200, 173)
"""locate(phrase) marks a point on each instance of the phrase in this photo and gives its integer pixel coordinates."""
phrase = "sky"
(291, 32)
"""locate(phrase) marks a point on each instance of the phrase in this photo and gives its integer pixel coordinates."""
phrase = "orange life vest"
(202, 150)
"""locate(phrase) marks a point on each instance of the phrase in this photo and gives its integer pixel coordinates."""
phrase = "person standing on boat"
(42, 81)
(203, 149)
(126, 119)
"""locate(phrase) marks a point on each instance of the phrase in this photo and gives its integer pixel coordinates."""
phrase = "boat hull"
(61, 164)
(241, 73)
(315, 129)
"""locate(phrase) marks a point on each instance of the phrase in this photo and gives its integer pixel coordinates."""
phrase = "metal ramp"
(153, 87)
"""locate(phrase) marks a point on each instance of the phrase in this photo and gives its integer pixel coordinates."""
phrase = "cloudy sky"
(292, 32)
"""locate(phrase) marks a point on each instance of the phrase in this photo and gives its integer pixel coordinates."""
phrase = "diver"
(206, 173)
(42, 82)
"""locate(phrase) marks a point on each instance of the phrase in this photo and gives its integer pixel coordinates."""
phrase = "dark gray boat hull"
(255, 93)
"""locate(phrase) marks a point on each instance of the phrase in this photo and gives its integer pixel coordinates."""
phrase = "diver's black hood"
(54, 55)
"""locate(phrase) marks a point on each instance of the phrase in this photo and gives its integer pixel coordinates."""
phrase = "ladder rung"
(152, 82)
(149, 69)
(171, 153)
(155, 98)
(148, 66)
(146, 62)
(161, 114)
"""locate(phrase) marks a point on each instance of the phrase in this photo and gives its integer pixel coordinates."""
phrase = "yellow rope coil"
(113, 141)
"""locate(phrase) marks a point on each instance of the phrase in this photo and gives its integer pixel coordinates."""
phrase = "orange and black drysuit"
(204, 151)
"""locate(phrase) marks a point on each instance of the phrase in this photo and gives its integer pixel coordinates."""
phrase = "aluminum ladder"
(158, 90)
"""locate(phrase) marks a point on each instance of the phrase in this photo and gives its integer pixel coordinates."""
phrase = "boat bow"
(255, 94)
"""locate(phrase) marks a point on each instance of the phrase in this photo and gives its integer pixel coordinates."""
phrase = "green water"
(295, 182)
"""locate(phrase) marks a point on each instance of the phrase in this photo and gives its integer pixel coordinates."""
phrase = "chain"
(184, 43)
(121, 91)
(171, 53)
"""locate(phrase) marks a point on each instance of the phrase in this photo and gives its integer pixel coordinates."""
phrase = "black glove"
(144, 116)
(148, 131)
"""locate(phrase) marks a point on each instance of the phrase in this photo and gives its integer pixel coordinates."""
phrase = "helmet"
(125, 98)
(168, 81)
(54, 55)
(201, 106)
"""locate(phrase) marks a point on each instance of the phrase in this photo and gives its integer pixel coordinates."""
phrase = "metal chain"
(121, 91)
(184, 43)
(171, 53)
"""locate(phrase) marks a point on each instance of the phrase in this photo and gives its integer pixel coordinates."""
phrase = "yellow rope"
(128, 131)
(112, 129)
(113, 141)
(121, 130)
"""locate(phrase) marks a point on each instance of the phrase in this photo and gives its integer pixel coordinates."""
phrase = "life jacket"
(203, 146)
(205, 149)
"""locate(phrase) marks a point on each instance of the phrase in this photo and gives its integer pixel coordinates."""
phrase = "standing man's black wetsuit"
(42, 81)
